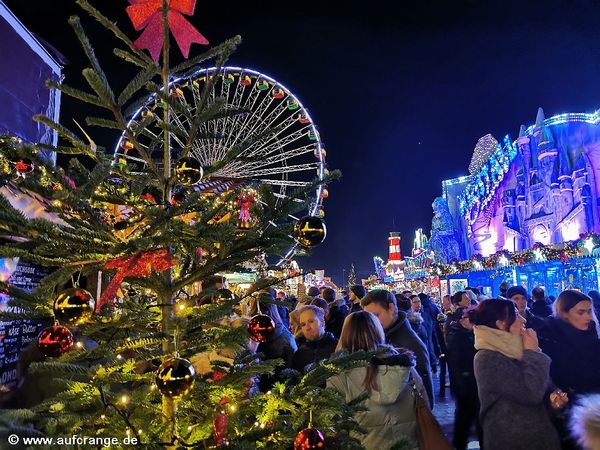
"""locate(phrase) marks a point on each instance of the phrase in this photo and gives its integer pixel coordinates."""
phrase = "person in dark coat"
(414, 318)
(460, 348)
(398, 332)
(570, 338)
(430, 312)
(518, 294)
(512, 377)
(281, 345)
(540, 307)
(595, 296)
(337, 313)
(314, 344)
(357, 292)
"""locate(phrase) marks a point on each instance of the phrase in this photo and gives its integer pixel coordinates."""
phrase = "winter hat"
(358, 290)
(516, 290)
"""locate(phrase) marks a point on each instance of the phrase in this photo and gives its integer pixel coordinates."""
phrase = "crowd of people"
(523, 370)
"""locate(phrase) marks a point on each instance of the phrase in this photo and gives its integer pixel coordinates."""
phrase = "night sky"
(400, 91)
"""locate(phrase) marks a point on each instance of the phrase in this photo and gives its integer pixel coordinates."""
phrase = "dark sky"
(400, 90)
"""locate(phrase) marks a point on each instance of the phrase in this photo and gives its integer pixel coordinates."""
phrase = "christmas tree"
(352, 276)
(121, 364)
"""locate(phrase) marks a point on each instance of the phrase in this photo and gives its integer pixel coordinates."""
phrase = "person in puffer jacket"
(389, 416)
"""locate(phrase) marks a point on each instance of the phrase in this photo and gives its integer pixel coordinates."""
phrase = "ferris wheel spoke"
(285, 183)
(278, 170)
(248, 103)
(257, 110)
(279, 157)
(275, 144)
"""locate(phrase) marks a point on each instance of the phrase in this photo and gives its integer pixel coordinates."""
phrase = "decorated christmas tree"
(164, 355)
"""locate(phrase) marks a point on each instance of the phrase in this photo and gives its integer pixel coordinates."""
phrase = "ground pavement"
(444, 412)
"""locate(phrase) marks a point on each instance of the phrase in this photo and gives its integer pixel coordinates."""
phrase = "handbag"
(429, 431)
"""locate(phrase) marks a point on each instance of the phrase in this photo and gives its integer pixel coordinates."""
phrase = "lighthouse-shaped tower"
(395, 256)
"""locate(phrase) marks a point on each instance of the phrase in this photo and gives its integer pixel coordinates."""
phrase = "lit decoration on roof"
(483, 186)
(483, 149)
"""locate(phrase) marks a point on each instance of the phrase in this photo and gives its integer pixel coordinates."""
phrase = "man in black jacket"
(461, 352)
(357, 292)
(314, 344)
(540, 307)
(398, 331)
(518, 294)
(337, 312)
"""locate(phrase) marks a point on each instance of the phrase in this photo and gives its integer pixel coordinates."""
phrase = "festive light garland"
(483, 149)
(482, 188)
(588, 245)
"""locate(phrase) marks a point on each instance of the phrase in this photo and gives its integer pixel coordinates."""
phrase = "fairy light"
(124, 399)
(79, 344)
(483, 149)
(232, 408)
(589, 244)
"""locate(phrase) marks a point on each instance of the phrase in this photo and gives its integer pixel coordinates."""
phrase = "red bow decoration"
(147, 14)
(139, 265)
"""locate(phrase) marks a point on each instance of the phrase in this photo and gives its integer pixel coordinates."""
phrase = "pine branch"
(74, 93)
(112, 27)
(129, 57)
(100, 85)
(67, 134)
(56, 367)
(100, 122)
(137, 83)
(226, 48)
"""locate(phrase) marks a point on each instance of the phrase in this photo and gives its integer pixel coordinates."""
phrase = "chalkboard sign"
(16, 334)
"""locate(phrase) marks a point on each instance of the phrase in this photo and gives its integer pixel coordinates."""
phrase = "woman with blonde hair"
(389, 414)
(570, 338)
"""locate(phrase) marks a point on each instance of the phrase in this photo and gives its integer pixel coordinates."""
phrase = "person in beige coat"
(389, 416)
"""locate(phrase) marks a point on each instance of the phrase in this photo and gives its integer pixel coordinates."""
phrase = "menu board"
(16, 334)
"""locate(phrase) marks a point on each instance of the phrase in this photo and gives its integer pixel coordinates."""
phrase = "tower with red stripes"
(395, 255)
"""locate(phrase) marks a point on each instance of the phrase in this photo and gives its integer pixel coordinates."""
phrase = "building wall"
(549, 192)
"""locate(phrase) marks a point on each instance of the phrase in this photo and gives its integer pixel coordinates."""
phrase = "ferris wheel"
(289, 156)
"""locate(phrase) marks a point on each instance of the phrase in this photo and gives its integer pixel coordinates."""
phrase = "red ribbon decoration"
(147, 14)
(245, 202)
(139, 265)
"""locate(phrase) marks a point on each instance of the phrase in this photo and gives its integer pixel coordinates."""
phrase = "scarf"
(509, 344)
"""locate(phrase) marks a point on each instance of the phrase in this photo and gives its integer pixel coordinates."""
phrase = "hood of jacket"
(398, 324)
(414, 317)
(393, 379)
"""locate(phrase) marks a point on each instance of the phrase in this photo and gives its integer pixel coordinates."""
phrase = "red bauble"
(24, 165)
(261, 328)
(54, 341)
(309, 438)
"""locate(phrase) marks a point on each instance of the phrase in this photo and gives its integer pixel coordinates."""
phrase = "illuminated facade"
(544, 187)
